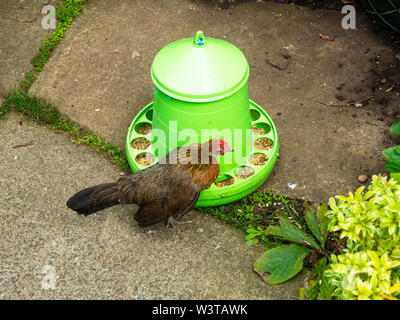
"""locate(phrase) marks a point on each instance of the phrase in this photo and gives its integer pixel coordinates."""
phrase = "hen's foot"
(174, 223)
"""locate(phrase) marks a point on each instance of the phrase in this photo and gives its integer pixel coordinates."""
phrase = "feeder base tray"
(231, 185)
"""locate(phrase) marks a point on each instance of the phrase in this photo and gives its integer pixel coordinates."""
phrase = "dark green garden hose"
(385, 11)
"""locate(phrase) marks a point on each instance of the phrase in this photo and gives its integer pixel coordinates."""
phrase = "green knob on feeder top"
(199, 40)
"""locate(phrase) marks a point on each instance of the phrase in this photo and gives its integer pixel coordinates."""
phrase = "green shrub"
(370, 266)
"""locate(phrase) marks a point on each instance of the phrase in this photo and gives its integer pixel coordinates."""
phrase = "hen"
(164, 191)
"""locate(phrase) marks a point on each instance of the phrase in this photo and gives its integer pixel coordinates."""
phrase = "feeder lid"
(200, 69)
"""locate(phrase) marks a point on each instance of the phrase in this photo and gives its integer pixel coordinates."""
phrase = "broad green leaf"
(290, 232)
(282, 263)
(395, 128)
(393, 156)
(313, 224)
(393, 167)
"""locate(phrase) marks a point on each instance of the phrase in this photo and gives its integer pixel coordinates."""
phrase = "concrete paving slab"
(100, 77)
(19, 41)
(106, 255)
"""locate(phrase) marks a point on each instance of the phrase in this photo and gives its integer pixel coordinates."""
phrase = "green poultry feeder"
(200, 92)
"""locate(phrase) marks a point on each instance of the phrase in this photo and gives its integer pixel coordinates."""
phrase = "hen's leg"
(174, 221)
(171, 221)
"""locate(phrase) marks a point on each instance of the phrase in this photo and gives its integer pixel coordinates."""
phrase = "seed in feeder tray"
(263, 144)
(140, 144)
(144, 159)
(245, 173)
(224, 183)
(259, 131)
(258, 159)
(145, 129)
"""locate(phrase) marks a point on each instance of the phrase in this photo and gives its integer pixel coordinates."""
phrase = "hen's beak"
(226, 150)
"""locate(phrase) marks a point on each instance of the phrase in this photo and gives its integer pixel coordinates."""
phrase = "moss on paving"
(65, 13)
(43, 112)
(4, 109)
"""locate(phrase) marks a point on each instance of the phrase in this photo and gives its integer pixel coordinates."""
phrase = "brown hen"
(164, 191)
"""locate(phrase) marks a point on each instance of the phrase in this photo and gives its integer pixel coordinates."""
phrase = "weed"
(256, 210)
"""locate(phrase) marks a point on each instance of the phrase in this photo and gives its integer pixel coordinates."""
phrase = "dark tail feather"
(94, 199)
